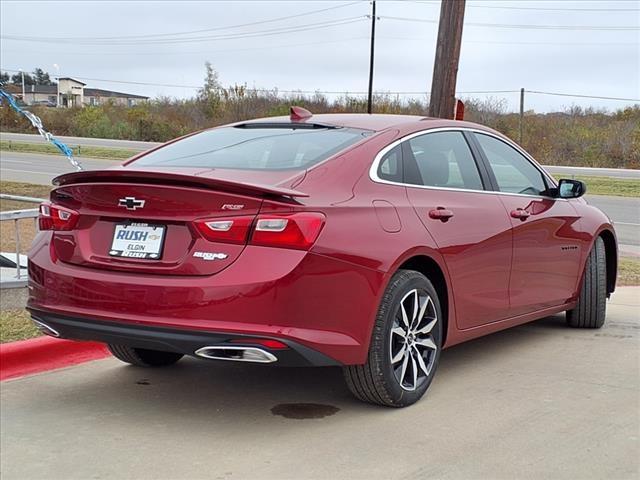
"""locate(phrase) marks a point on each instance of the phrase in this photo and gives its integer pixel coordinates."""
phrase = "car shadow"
(200, 392)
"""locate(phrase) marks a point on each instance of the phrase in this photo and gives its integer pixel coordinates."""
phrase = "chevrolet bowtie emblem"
(131, 203)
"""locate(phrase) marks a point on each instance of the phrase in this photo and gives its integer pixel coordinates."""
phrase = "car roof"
(375, 122)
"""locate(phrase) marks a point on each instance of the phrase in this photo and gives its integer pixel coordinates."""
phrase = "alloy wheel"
(412, 347)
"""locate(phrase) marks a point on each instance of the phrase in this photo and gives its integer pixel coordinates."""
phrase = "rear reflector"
(264, 342)
(226, 230)
(55, 217)
(297, 230)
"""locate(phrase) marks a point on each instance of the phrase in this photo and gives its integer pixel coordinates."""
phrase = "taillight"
(226, 230)
(55, 217)
(297, 230)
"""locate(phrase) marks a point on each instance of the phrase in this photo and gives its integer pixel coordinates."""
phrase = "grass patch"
(16, 325)
(78, 150)
(23, 189)
(619, 187)
(629, 271)
(26, 226)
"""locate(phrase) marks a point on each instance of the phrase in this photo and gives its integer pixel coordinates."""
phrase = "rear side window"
(390, 167)
(255, 148)
(441, 159)
(513, 172)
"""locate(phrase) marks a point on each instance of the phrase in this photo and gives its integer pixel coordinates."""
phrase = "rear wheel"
(590, 311)
(405, 344)
(142, 357)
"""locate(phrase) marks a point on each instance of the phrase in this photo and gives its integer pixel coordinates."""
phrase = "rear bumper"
(172, 340)
(318, 302)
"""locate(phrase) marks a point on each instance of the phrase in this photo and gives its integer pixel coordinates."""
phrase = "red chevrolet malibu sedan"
(370, 242)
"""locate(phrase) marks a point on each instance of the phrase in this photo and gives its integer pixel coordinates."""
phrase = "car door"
(546, 247)
(447, 192)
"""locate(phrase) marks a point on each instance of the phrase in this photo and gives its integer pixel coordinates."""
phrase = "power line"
(496, 42)
(199, 52)
(325, 42)
(346, 92)
(584, 96)
(215, 29)
(542, 9)
(232, 36)
(522, 26)
(332, 92)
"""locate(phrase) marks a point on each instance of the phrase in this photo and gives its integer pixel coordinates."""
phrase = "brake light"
(55, 217)
(226, 230)
(297, 230)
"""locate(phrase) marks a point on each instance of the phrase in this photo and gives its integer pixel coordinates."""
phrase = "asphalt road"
(625, 213)
(41, 169)
(538, 401)
(569, 172)
(73, 141)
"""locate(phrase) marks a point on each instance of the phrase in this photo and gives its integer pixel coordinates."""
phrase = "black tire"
(144, 358)
(590, 311)
(377, 380)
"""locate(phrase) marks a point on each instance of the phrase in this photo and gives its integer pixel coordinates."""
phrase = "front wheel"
(405, 344)
(590, 311)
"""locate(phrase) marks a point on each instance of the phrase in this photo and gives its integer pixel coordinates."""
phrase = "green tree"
(4, 77)
(211, 93)
(17, 79)
(41, 77)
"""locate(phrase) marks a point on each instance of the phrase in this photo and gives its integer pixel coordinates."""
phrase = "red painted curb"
(27, 357)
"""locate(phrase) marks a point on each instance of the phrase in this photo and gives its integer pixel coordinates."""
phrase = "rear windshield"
(255, 148)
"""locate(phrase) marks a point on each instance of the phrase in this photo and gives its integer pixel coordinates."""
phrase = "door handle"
(520, 213)
(440, 213)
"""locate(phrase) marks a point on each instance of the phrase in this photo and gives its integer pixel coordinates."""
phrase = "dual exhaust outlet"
(236, 354)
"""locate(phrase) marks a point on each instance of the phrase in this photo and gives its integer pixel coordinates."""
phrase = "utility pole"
(521, 123)
(373, 43)
(57, 67)
(24, 100)
(445, 67)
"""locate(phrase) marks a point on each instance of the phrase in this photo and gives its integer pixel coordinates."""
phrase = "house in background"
(97, 96)
(72, 93)
(34, 94)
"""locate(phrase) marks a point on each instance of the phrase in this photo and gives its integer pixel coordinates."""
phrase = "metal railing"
(16, 216)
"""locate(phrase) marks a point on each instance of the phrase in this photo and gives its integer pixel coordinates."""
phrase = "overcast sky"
(595, 50)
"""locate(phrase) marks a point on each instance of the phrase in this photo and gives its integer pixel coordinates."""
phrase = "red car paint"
(499, 270)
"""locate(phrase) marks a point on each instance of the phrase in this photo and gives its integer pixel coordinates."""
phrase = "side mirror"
(571, 188)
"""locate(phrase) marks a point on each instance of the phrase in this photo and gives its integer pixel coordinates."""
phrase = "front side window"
(513, 171)
(255, 147)
(441, 159)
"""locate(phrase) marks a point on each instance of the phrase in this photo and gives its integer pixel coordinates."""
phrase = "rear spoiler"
(126, 175)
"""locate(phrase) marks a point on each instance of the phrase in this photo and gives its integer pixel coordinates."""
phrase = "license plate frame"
(135, 247)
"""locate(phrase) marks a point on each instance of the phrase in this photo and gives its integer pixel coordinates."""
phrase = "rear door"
(546, 245)
(467, 222)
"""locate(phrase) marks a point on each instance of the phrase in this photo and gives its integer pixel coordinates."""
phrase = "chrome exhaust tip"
(46, 329)
(237, 354)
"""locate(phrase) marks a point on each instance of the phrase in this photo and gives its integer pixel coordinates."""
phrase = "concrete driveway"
(538, 401)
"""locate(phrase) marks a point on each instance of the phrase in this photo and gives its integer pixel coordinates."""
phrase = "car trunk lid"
(143, 220)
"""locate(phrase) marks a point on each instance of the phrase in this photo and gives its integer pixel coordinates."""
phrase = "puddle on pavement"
(303, 411)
